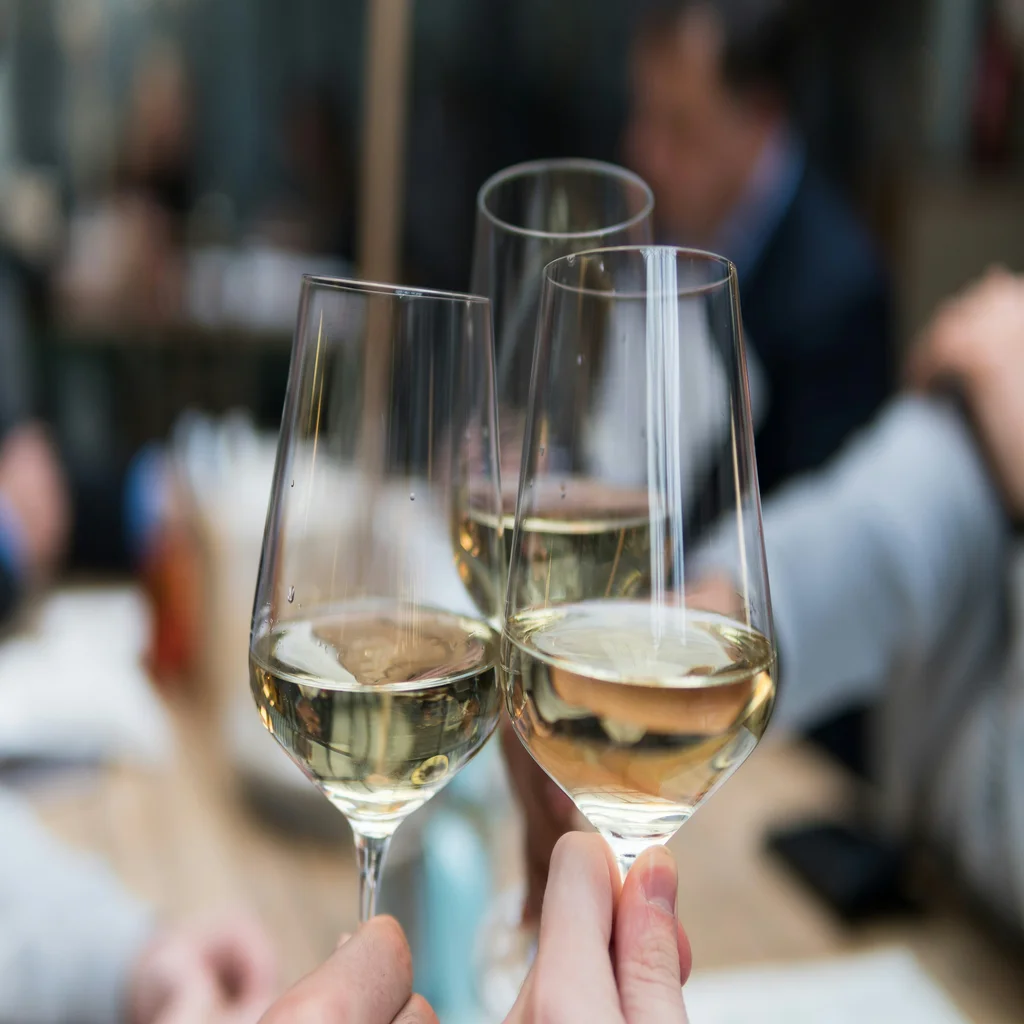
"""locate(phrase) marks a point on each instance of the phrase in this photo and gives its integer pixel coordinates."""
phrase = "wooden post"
(383, 147)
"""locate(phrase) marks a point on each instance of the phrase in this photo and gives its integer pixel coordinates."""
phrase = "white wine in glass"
(373, 651)
(637, 655)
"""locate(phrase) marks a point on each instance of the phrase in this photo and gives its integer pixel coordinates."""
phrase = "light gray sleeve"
(873, 561)
(889, 574)
(69, 933)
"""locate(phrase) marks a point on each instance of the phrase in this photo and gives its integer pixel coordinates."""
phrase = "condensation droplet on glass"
(579, 360)
(571, 260)
(291, 594)
(563, 491)
(412, 496)
(542, 449)
(293, 483)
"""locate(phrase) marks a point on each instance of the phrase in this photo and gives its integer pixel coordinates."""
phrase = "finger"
(573, 978)
(366, 981)
(648, 958)
(416, 1011)
(195, 1000)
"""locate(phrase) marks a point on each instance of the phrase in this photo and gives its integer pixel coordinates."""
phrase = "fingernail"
(660, 880)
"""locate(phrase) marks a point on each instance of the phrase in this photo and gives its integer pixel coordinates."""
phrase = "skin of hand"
(33, 484)
(976, 342)
(367, 980)
(548, 812)
(608, 953)
(210, 971)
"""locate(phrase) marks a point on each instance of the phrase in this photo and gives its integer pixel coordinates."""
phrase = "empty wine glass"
(528, 215)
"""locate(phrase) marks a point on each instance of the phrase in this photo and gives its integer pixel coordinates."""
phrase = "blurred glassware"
(528, 215)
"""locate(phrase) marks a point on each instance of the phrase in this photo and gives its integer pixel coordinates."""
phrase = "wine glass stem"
(627, 850)
(370, 854)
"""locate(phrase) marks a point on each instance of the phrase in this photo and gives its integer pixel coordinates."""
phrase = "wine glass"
(528, 215)
(638, 660)
(373, 646)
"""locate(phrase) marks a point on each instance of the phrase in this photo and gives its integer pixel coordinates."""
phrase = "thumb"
(651, 951)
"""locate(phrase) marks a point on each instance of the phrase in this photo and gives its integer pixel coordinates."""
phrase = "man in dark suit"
(711, 132)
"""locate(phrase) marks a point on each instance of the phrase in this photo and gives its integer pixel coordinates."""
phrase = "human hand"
(976, 341)
(33, 487)
(608, 954)
(368, 980)
(205, 972)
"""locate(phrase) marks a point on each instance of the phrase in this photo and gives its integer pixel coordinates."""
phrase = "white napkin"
(886, 987)
(74, 688)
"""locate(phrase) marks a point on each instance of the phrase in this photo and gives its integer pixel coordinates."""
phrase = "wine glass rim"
(728, 268)
(398, 291)
(532, 168)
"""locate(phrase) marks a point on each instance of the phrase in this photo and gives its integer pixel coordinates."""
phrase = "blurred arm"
(875, 560)
(69, 935)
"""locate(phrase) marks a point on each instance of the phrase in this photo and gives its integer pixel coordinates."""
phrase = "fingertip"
(418, 1011)
(658, 878)
(385, 929)
(576, 851)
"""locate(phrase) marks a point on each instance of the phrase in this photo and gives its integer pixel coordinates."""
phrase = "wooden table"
(182, 839)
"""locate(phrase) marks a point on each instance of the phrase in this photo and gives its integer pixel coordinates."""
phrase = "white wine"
(583, 539)
(637, 711)
(380, 704)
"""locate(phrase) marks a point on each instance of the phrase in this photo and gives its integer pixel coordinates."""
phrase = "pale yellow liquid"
(380, 705)
(584, 541)
(637, 713)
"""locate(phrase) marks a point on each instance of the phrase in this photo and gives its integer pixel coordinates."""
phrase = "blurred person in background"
(75, 948)
(711, 132)
(892, 583)
(125, 256)
(157, 147)
(315, 211)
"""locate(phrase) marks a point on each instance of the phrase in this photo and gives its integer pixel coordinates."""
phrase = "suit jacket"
(816, 309)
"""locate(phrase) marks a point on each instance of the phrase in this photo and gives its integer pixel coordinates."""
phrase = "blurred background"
(167, 167)
(168, 171)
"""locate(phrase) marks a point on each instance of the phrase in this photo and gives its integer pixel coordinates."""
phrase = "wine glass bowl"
(637, 651)
(528, 215)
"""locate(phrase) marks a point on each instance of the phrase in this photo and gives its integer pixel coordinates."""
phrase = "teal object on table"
(455, 894)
